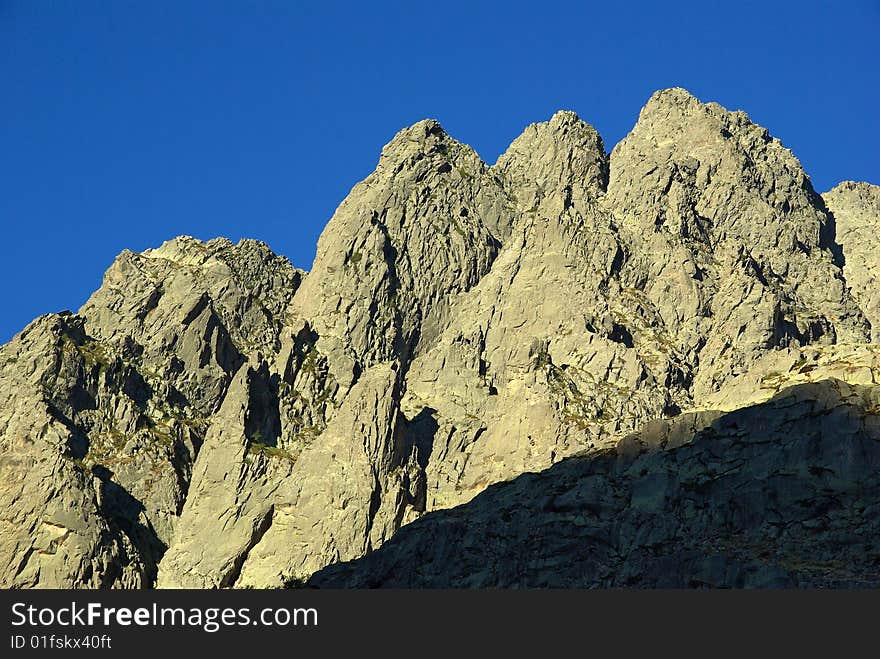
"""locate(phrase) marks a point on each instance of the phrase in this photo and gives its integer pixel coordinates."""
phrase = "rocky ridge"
(669, 339)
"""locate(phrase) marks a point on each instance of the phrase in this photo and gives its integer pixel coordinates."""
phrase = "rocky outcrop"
(278, 517)
(62, 522)
(213, 417)
(537, 365)
(426, 225)
(105, 411)
(350, 491)
(856, 211)
(732, 247)
(229, 496)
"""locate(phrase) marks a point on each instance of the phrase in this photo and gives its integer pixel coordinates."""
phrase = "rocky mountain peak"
(670, 102)
(182, 249)
(705, 192)
(674, 104)
(427, 132)
(554, 156)
(859, 196)
(711, 176)
(425, 145)
(693, 158)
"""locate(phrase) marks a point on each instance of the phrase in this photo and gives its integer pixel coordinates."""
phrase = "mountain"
(654, 367)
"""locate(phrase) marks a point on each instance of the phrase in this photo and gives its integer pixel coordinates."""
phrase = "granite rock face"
(661, 362)
(856, 211)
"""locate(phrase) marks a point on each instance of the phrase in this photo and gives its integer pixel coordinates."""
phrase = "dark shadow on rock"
(828, 230)
(785, 493)
(262, 422)
(123, 512)
(136, 387)
(77, 445)
(176, 398)
(420, 432)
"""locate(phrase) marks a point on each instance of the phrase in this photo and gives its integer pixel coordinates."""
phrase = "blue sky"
(123, 124)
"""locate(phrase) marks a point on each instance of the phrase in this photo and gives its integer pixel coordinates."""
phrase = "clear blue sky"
(123, 124)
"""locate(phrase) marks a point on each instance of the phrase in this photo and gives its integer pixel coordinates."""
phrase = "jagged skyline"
(131, 124)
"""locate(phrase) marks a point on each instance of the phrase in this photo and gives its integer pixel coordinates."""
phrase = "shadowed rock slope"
(784, 493)
(213, 417)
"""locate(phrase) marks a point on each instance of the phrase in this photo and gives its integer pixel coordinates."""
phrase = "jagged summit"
(568, 148)
(677, 101)
(672, 103)
(866, 192)
(562, 117)
(675, 338)
(693, 160)
(550, 155)
(428, 138)
(425, 138)
(672, 96)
